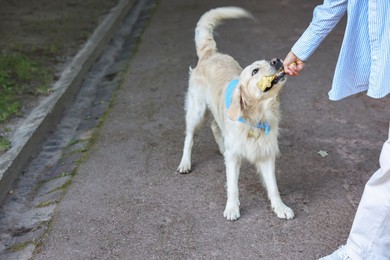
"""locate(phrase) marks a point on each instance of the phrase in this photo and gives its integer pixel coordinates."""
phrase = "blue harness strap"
(228, 101)
(229, 92)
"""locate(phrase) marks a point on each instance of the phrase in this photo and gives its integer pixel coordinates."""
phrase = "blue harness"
(228, 101)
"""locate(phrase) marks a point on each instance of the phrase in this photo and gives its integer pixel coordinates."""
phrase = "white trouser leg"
(370, 232)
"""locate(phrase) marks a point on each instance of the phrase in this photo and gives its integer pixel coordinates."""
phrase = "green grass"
(20, 76)
(4, 144)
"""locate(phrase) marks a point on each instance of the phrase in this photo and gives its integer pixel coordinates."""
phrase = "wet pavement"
(126, 201)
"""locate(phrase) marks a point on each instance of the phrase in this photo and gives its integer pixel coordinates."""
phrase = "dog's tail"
(204, 39)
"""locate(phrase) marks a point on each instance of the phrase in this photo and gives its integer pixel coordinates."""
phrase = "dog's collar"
(228, 101)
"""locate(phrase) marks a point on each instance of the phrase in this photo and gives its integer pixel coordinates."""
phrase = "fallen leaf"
(323, 153)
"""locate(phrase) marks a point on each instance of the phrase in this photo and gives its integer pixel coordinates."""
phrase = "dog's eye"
(255, 71)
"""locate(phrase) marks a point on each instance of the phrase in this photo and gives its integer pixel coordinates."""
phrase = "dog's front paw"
(282, 211)
(232, 213)
(184, 167)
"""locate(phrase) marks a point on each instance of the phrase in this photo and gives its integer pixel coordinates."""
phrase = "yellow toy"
(265, 82)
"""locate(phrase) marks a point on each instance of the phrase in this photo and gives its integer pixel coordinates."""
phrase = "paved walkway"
(127, 201)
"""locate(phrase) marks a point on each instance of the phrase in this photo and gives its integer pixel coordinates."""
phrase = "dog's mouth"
(267, 82)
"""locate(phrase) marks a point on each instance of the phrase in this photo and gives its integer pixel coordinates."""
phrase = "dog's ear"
(234, 110)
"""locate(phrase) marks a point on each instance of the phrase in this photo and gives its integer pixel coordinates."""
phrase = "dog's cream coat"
(236, 140)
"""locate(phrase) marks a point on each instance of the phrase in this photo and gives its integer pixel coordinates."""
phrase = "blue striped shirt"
(364, 59)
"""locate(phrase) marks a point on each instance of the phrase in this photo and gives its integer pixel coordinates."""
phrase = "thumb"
(290, 58)
(292, 64)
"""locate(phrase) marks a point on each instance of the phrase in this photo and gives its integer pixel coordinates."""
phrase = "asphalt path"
(128, 202)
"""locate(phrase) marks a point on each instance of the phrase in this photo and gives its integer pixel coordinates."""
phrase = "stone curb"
(34, 130)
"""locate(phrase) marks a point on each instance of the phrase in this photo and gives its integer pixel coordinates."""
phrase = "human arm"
(325, 18)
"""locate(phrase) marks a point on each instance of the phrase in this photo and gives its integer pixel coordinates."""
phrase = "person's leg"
(369, 237)
(370, 233)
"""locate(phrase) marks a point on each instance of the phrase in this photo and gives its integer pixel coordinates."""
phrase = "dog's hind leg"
(218, 136)
(267, 170)
(195, 112)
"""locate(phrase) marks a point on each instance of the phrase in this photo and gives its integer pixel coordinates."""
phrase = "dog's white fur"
(207, 85)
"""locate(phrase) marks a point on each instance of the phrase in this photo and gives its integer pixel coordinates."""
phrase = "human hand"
(292, 64)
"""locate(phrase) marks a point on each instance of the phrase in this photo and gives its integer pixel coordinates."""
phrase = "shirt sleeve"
(325, 18)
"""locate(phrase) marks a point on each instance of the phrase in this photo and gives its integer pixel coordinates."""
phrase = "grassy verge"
(20, 76)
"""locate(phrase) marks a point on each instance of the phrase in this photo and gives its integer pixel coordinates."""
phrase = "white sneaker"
(339, 254)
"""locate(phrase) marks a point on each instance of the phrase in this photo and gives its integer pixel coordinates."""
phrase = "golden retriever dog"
(245, 108)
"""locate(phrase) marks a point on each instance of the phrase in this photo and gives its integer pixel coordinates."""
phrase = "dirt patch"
(49, 33)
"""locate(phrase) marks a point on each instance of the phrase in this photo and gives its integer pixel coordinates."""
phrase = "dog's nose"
(276, 63)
